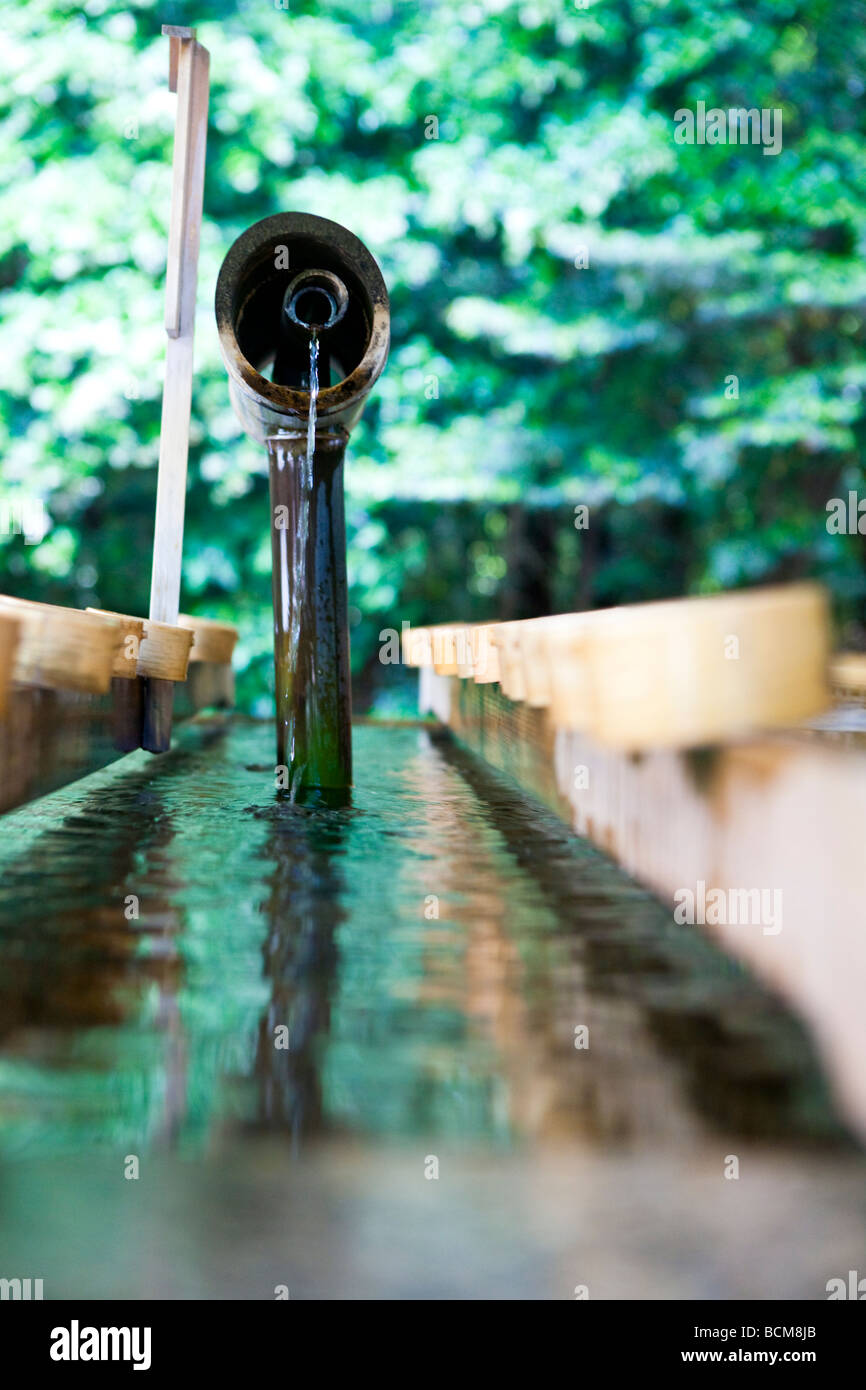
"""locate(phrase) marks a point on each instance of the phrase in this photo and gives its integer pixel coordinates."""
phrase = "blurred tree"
(585, 312)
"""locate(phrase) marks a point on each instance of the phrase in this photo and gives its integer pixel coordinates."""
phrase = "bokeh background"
(571, 293)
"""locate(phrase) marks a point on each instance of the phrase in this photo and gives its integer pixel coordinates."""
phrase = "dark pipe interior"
(316, 299)
(315, 302)
(259, 307)
(314, 307)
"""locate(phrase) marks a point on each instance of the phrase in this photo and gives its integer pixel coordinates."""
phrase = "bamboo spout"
(302, 312)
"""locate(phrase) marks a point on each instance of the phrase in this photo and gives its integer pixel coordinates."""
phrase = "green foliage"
(522, 381)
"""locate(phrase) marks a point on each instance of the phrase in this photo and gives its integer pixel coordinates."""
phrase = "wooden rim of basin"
(82, 649)
(125, 663)
(416, 645)
(676, 673)
(432, 646)
(696, 671)
(506, 639)
(10, 631)
(848, 673)
(535, 647)
(63, 648)
(485, 654)
(162, 649)
(462, 649)
(212, 640)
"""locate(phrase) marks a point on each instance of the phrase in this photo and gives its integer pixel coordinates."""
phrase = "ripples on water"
(430, 949)
(431, 953)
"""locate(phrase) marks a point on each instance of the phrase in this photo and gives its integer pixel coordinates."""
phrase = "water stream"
(314, 396)
(292, 470)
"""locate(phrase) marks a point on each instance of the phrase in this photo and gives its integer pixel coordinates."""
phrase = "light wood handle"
(190, 66)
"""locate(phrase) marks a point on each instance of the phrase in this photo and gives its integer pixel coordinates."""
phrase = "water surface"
(292, 1016)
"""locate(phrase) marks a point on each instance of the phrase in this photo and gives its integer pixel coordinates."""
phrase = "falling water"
(310, 646)
(298, 588)
(314, 396)
(293, 588)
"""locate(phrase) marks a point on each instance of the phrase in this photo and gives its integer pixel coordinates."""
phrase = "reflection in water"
(431, 949)
(302, 910)
(117, 1013)
(681, 1037)
(82, 958)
